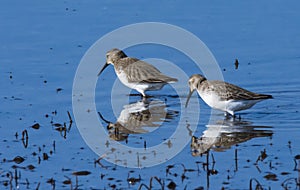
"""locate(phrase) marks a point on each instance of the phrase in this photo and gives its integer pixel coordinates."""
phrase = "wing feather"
(142, 72)
(229, 91)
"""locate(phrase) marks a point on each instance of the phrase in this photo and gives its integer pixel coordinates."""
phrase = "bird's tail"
(171, 80)
(168, 79)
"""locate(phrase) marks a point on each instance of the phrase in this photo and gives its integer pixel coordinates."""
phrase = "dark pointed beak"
(106, 64)
(101, 116)
(188, 98)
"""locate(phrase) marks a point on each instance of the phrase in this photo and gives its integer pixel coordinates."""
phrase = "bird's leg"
(227, 115)
(144, 98)
(237, 117)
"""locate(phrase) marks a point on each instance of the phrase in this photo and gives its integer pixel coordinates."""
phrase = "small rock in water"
(31, 167)
(18, 159)
(81, 173)
(271, 176)
(45, 156)
(36, 126)
(236, 63)
(58, 90)
(172, 185)
(67, 182)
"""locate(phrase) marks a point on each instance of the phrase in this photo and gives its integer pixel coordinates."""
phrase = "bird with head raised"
(223, 96)
(136, 74)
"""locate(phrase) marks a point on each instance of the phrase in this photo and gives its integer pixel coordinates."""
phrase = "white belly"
(214, 102)
(123, 78)
(140, 87)
(230, 106)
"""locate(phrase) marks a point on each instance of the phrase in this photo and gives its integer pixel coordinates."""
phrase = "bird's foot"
(234, 117)
(228, 115)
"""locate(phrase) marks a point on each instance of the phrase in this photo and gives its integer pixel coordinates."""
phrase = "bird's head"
(194, 82)
(112, 56)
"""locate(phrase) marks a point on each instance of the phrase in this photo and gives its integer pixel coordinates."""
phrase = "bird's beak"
(101, 116)
(106, 64)
(188, 98)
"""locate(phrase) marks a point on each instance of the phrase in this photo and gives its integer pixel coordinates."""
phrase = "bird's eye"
(106, 56)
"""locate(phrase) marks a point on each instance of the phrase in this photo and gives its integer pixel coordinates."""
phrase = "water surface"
(41, 47)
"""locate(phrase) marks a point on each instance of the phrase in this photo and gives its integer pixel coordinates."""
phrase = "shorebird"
(222, 95)
(136, 74)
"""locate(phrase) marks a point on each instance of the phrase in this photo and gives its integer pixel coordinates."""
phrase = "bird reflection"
(140, 117)
(224, 134)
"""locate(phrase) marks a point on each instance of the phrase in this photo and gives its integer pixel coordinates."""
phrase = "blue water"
(43, 43)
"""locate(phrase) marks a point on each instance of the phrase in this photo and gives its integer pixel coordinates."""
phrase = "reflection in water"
(220, 136)
(224, 134)
(140, 117)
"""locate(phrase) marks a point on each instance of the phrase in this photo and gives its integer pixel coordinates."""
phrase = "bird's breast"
(212, 99)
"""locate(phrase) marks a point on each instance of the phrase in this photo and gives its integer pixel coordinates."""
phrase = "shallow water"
(42, 45)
